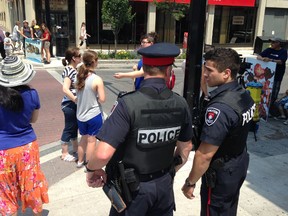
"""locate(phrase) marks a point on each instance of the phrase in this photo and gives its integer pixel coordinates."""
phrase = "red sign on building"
(172, 1)
(247, 3)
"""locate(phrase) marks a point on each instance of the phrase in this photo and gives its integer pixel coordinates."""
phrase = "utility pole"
(192, 79)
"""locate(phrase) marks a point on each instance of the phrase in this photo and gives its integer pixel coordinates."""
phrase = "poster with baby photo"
(259, 79)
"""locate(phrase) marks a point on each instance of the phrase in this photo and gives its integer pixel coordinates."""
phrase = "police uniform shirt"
(116, 127)
(219, 118)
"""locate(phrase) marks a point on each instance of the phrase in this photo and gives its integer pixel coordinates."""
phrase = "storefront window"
(60, 17)
(234, 25)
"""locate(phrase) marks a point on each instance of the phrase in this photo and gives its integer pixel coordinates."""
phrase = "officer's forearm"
(101, 156)
(183, 149)
(200, 166)
(90, 152)
(202, 159)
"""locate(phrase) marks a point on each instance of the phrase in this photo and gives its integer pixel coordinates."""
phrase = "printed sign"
(106, 26)
(261, 72)
(238, 20)
(33, 49)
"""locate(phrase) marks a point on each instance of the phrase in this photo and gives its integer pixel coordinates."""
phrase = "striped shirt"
(71, 73)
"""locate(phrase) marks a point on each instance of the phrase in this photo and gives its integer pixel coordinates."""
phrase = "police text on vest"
(248, 115)
(149, 136)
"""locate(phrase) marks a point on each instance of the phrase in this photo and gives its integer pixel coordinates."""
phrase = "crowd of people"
(146, 138)
(15, 41)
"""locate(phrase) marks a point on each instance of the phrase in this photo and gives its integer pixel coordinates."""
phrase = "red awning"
(247, 3)
(172, 1)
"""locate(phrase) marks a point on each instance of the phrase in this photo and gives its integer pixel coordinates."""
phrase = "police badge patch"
(211, 115)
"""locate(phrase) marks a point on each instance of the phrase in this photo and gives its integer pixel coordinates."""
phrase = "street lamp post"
(193, 69)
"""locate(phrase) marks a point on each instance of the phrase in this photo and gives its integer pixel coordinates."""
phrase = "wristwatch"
(87, 169)
(188, 183)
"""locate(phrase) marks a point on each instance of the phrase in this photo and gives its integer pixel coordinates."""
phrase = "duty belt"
(152, 176)
(227, 158)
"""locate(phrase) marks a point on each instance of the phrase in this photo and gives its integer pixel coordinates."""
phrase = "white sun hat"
(15, 73)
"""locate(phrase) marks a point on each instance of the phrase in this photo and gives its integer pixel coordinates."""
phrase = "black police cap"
(159, 54)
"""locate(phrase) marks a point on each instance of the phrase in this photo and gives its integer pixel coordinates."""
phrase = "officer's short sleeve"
(219, 120)
(116, 126)
(186, 132)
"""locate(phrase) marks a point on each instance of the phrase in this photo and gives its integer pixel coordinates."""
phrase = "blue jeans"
(70, 131)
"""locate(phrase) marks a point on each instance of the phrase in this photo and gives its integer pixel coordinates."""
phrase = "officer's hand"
(96, 179)
(188, 191)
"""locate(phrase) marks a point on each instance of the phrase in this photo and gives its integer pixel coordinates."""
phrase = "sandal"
(69, 158)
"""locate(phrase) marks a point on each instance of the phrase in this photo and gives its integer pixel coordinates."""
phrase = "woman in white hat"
(21, 178)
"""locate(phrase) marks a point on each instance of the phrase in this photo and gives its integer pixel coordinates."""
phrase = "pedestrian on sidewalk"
(33, 24)
(282, 107)
(8, 45)
(16, 33)
(221, 158)
(146, 132)
(138, 74)
(84, 36)
(21, 178)
(90, 96)
(68, 105)
(46, 43)
(26, 32)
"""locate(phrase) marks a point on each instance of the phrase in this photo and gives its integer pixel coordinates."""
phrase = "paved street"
(264, 192)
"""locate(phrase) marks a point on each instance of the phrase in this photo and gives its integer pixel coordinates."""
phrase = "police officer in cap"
(144, 133)
(222, 159)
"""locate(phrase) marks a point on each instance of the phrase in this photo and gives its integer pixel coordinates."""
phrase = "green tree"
(116, 13)
(177, 10)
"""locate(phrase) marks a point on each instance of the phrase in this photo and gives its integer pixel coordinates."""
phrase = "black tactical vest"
(156, 121)
(241, 102)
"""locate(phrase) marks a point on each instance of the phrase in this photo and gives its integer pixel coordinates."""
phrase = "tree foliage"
(117, 13)
(177, 10)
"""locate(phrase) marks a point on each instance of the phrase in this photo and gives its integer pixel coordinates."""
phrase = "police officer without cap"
(222, 159)
(142, 132)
